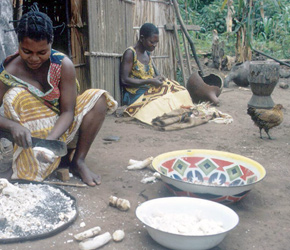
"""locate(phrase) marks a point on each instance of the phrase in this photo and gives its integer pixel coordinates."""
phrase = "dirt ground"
(264, 213)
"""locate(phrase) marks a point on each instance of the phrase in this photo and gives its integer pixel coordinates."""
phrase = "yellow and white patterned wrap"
(21, 106)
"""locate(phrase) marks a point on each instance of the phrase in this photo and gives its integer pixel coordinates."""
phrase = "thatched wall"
(110, 33)
(114, 25)
(101, 30)
(80, 42)
(159, 13)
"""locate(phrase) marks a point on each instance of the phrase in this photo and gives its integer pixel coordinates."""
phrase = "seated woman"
(38, 89)
(148, 94)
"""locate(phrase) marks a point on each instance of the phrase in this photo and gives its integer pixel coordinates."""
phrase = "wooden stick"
(169, 27)
(65, 184)
(102, 54)
(187, 54)
(180, 55)
(275, 59)
(129, 1)
(228, 90)
(176, 7)
(158, 1)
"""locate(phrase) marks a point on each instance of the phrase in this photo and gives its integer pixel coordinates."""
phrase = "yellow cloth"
(22, 107)
(157, 101)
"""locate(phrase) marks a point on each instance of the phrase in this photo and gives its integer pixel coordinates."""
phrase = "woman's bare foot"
(81, 169)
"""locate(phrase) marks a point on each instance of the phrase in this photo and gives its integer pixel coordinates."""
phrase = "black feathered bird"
(266, 118)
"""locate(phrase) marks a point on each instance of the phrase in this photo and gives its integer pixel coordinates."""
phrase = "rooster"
(266, 118)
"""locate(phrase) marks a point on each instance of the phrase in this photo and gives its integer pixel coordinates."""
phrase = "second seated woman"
(147, 94)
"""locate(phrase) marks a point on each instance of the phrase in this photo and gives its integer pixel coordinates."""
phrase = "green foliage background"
(270, 35)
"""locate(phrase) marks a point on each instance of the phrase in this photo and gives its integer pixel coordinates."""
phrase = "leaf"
(224, 4)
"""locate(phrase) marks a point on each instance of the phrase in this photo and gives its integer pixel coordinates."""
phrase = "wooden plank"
(117, 85)
(93, 7)
(157, 1)
(128, 20)
(190, 27)
(159, 57)
(129, 1)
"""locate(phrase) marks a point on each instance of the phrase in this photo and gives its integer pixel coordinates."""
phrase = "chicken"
(266, 118)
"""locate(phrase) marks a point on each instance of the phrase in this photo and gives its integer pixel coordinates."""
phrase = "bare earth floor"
(264, 213)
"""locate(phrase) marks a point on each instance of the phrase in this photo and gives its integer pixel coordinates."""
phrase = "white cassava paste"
(32, 209)
(184, 224)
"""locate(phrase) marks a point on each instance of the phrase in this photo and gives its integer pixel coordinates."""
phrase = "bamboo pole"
(275, 59)
(175, 4)
(186, 53)
(180, 55)
(102, 54)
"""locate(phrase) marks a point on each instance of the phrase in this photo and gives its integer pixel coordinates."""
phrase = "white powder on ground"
(184, 224)
(35, 209)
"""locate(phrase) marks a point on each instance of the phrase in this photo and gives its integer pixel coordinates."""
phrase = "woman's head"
(35, 37)
(148, 29)
(36, 26)
(149, 36)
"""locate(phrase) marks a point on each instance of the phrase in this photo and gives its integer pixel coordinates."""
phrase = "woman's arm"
(68, 94)
(126, 68)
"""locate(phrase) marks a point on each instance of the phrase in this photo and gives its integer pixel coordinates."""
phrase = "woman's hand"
(21, 135)
(157, 81)
(161, 77)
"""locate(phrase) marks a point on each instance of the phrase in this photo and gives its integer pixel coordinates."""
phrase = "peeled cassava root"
(88, 233)
(118, 235)
(6, 188)
(44, 155)
(96, 242)
(137, 165)
(119, 203)
(148, 179)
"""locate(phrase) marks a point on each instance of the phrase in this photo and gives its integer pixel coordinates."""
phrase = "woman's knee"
(101, 105)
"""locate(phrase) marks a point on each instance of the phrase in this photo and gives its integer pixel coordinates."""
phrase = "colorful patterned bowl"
(214, 175)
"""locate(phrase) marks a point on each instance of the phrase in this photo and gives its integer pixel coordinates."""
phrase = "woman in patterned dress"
(38, 89)
(147, 94)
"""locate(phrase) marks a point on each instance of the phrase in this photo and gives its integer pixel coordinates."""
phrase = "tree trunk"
(244, 35)
(262, 10)
(229, 18)
(217, 51)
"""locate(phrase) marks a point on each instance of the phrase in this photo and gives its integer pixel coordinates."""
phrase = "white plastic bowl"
(188, 206)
